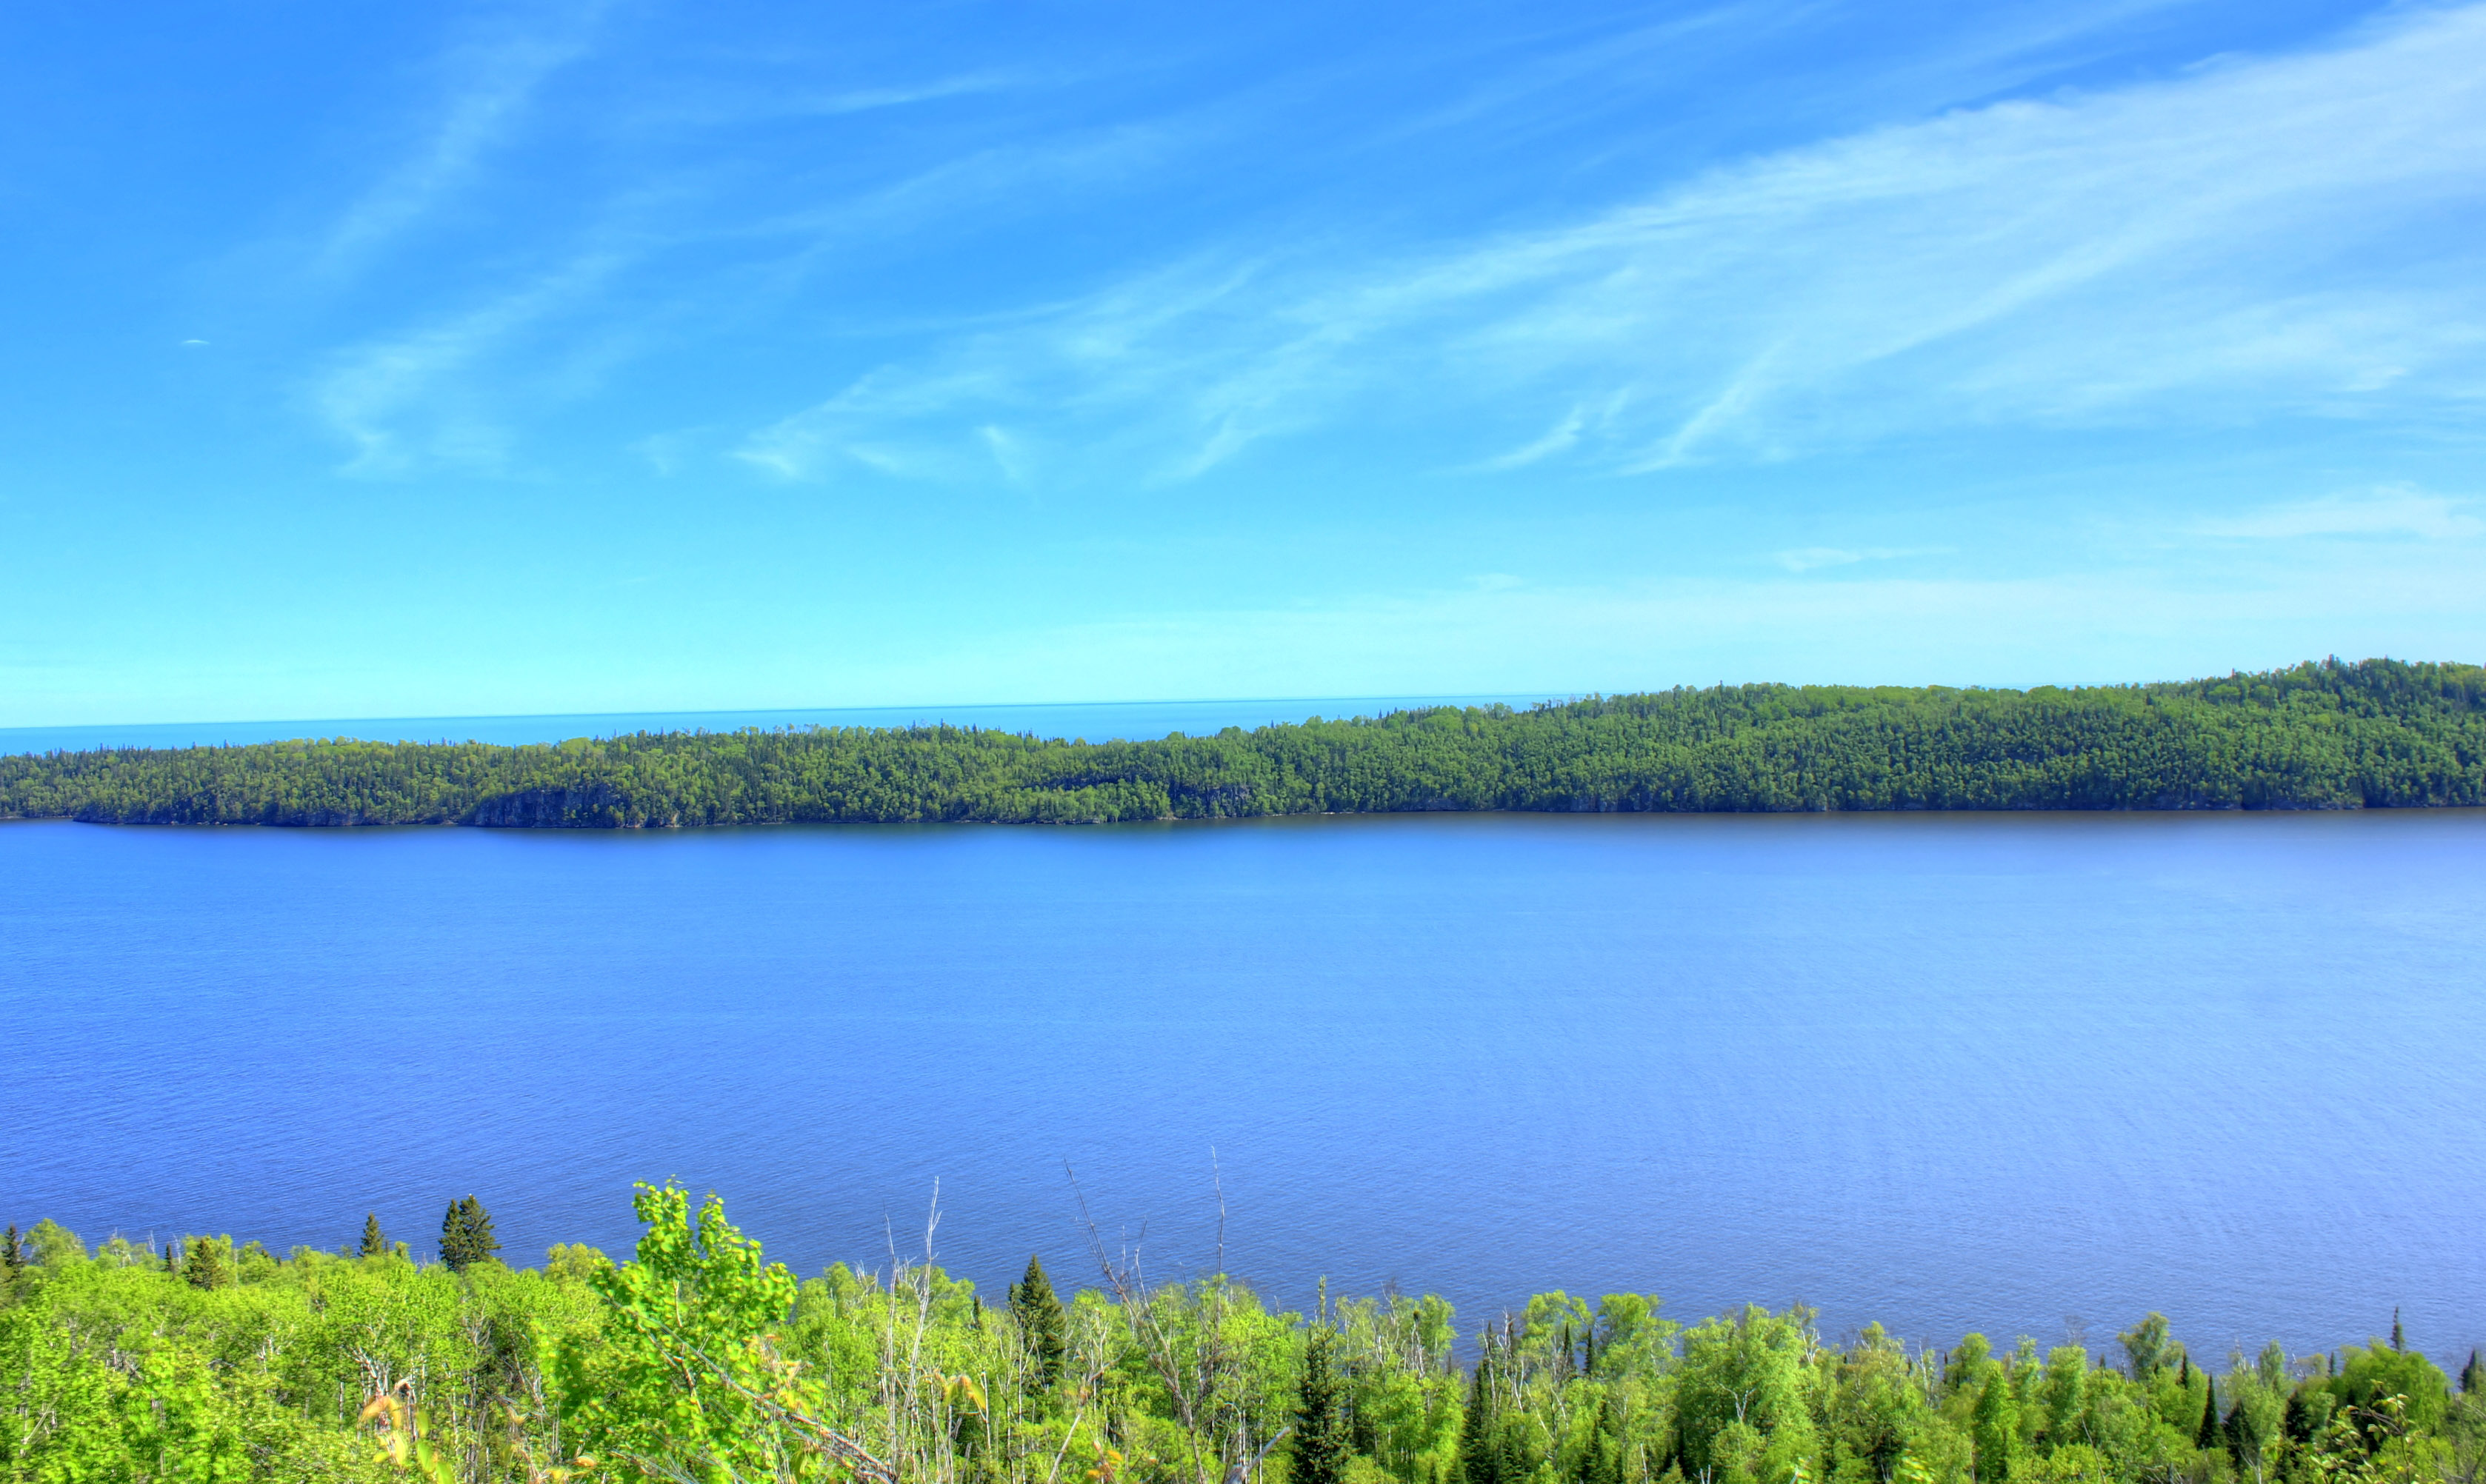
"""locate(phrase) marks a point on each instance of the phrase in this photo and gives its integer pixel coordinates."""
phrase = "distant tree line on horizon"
(698, 1361)
(2378, 733)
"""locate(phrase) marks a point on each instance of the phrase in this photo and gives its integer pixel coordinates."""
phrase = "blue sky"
(400, 360)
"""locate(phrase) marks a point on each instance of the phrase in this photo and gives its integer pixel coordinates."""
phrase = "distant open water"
(1096, 721)
(1942, 1071)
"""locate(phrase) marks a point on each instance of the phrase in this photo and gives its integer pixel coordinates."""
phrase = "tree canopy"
(2378, 733)
(697, 1359)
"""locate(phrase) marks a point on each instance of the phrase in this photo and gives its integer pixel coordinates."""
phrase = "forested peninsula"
(2379, 733)
(698, 1362)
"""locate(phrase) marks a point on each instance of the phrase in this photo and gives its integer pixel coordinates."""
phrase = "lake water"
(1943, 1071)
(1099, 720)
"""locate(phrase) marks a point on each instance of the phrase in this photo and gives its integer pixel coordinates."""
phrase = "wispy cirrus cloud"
(2253, 237)
(490, 80)
(1807, 559)
(413, 400)
(712, 106)
(2401, 511)
(1563, 436)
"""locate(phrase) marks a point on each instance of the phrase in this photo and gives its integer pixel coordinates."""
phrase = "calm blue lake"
(1943, 1071)
(1099, 720)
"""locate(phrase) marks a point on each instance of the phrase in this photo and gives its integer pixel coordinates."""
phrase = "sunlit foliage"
(697, 1359)
(2374, 734)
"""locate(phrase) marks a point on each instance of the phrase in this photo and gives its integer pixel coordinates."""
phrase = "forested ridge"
(2330, 735)
(699, 1361)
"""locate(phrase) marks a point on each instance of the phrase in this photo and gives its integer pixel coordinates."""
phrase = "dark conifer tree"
(2398, 1341)
(375, 1242)
(2207, 1437)
(1479, 1455)
(466, 1235)
(1041, 1323)
(204, 1264)
(2473, 1376)
(2298, 1421)
(1320, 1447)
(14, 1258)
(479, 1231)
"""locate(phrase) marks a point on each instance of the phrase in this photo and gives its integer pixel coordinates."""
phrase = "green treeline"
(699, 1361)
(2332, 736)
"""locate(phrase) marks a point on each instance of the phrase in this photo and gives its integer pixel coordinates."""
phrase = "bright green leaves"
(1743, 1396)
(682, 1382)
(1998, 1432)
(2372, 1372)
(699, 1361)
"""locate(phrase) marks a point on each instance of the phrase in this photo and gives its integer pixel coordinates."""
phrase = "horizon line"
(1437, 696)
(988, 705)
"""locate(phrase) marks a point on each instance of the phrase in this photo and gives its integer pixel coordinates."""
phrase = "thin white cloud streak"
(410, 402)
(2395, 510)
(1560, 438)
(750, 103)
(1807, 559)
(2254, 238)
(420, 396)
(493, 82)
(1563, 436)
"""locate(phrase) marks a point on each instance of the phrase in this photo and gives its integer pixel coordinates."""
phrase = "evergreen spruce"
(2298, 1421)
(2473, 1376)
(2207, 1437)
(207, 1262)
(1480, 1459)
(466, 1235)
(2399, 1342)
(374, 1243)
(1041, 1325)
(12, 1258)
(1320, 1444)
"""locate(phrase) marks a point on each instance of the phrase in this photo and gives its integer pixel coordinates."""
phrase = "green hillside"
(2330, 735)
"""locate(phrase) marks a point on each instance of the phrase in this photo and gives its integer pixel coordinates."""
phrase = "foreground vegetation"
(700, 1361)
(2331, 736)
